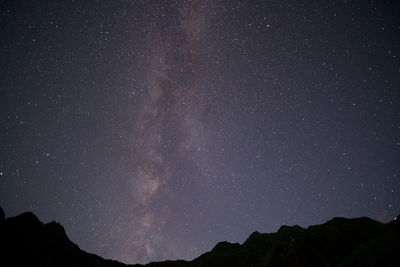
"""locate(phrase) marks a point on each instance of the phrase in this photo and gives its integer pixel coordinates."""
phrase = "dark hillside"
(25, 241)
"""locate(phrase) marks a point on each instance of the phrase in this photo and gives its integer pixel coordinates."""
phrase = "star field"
(152, 130)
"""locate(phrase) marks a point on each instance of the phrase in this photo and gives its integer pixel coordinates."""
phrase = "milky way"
(168, 134)
(153, 129)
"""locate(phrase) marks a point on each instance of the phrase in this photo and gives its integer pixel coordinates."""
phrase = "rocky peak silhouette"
(26, 241)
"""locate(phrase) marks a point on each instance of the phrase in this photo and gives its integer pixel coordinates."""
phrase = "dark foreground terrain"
(25, 241)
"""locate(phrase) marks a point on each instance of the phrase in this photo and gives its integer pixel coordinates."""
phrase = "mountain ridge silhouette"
(26, 241)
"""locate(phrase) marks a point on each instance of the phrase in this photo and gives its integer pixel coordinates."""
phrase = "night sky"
(153, 129)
